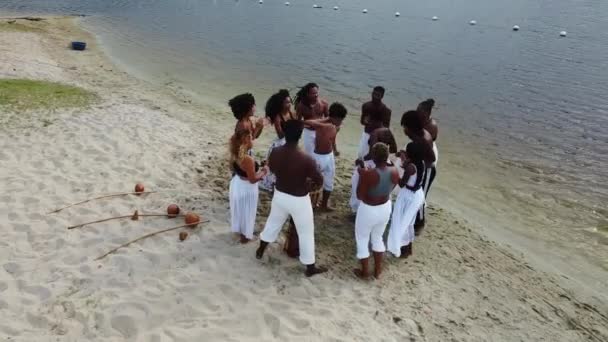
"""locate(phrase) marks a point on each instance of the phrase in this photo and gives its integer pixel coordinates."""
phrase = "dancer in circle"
(243, 190)
(310, 106)
(374, 212)
(294, 170)
(409, 201)
(374, 114)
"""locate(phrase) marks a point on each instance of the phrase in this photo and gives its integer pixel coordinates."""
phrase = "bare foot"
(360, 274)
(244, 239)
(312, 270)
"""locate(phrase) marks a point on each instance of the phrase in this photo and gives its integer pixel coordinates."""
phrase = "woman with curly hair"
(278, 111)
(243, 109)
(243, 186)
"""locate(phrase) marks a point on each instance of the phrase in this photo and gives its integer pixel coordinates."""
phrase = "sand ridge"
(458, 286)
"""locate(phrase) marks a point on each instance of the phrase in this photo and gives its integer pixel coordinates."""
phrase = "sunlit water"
(523, 115)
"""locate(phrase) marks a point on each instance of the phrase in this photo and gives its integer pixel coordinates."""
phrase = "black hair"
(303, 92)
(293, 130)
(274, 105)
(380, 89)
(427, 105)
(241, 105)
(411, 120)
(337, 110)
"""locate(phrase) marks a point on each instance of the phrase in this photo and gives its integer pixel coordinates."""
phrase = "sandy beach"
(458, 286)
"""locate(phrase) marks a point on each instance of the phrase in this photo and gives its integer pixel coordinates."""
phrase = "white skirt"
(267, 183)
(243, 206)
(309, 137)
(401, 232)
(363, 145)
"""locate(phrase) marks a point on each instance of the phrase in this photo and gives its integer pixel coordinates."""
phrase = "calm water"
(523, 115)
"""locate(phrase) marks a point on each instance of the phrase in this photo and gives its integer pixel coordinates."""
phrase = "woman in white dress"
(243, 186)
(409, 201)
(278, 111)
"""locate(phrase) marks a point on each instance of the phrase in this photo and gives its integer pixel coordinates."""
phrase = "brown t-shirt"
(294, 170)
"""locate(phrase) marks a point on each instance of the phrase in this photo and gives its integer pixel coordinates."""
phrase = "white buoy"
(563, 34)
(472, 22)
(315, 6)
(435, 18)
(365, 10)
(287, 3)
(516, 28)
(397, 14)
(335, 8)
(261, 1)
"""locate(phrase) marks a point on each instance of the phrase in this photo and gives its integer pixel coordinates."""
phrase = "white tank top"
(413, 178)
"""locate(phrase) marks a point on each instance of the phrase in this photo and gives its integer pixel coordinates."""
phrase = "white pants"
(308, 138)
(243, 206)
(370, 224)
(401, 232)
(300, 209)
(363, 145)
(326, 163)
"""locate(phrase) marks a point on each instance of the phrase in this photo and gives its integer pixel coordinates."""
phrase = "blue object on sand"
(79, 46)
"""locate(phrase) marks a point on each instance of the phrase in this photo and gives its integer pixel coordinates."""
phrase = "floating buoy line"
(397, 14)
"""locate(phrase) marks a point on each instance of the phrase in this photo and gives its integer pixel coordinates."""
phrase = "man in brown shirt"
(294, 171)
(374, 114)
(310, 107)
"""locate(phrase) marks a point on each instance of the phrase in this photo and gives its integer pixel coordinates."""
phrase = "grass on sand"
(18, 96)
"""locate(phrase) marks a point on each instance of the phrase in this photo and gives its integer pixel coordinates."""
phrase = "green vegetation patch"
(31, 103)
(22, 95)
(16, 26)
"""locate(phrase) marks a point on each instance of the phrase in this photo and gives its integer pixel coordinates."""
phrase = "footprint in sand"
(12, 268)
(273, 323)
(235, 296)
(41, 292)
(124, 325)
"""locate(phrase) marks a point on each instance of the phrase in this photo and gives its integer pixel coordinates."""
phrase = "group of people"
(303, 179)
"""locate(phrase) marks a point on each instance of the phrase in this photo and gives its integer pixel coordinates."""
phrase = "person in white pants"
(310, 107)
(374, 212)
(293, 169)
(326, 133)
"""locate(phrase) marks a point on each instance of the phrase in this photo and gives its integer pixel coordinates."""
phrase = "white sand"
(457, 287)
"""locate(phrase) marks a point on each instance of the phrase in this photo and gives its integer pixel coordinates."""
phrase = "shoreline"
(459, 286)
(584, 270)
